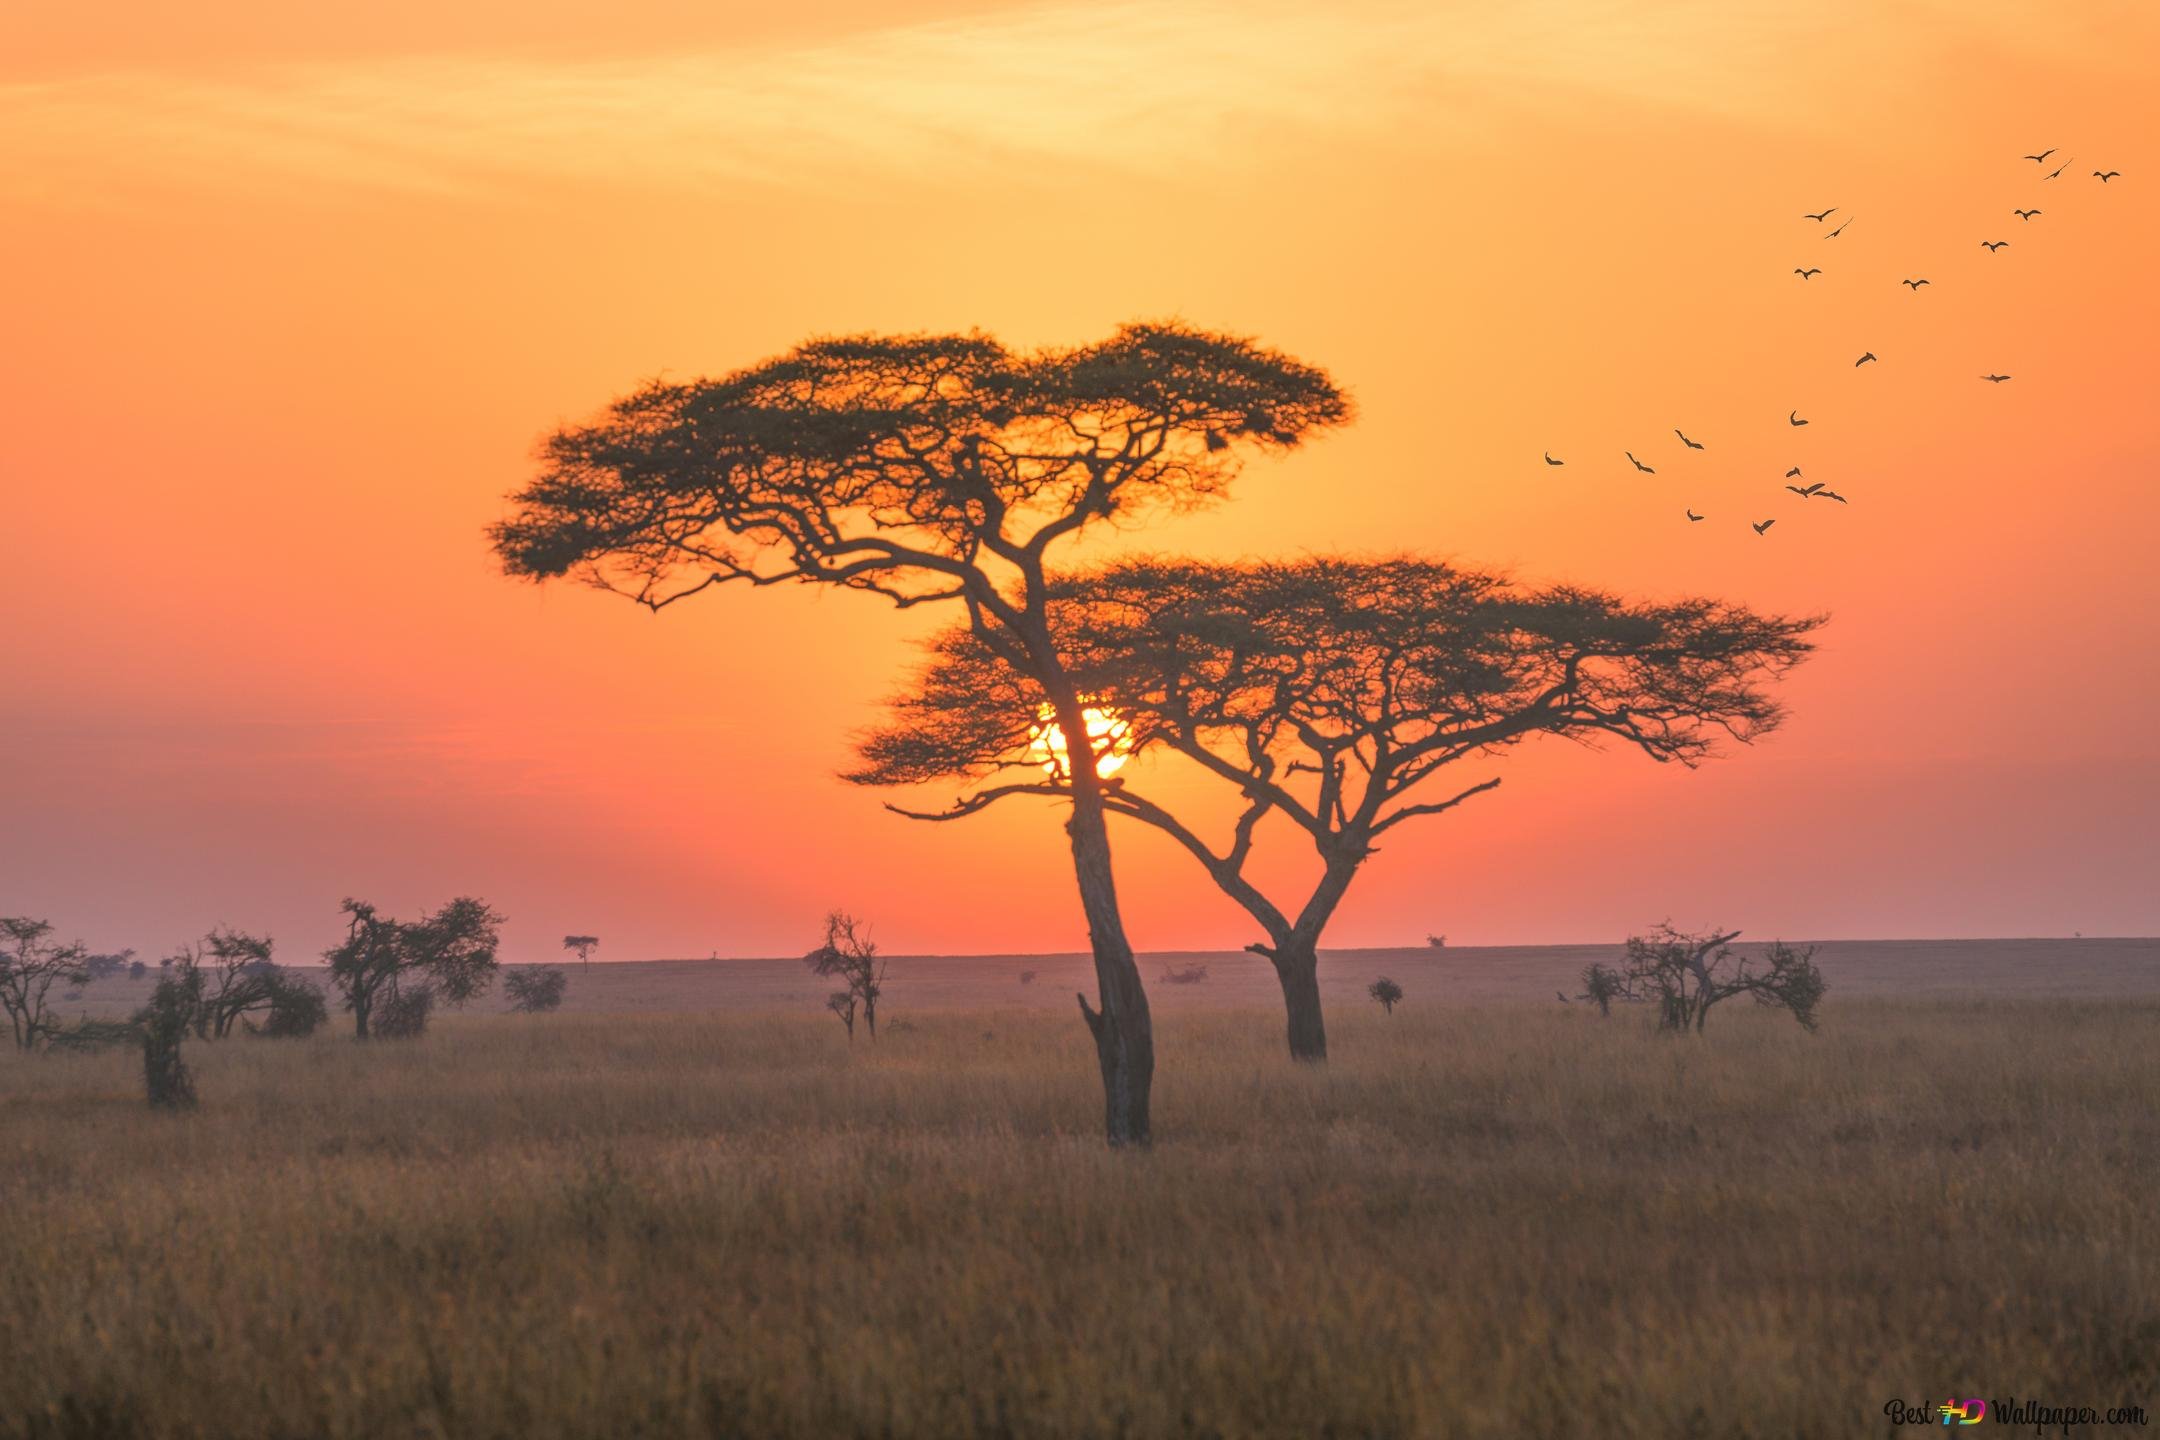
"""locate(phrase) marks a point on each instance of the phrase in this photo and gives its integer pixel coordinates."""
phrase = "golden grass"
(1498, 1221)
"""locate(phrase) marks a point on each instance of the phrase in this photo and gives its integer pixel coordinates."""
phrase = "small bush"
(1386, 992)
(164, 1025)
(1190, 975)
(535, 992)
(403, 1015)
(297, 1010)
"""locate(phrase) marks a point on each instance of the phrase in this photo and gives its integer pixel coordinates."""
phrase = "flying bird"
(1863, 359)
(1841, 228)
(1687, 442)
(1550, 461)
(1637, 463)
(1995, 379)
(1832, 495)
(1764, 525)
(1793, 474)
(2025, 214)
(1818, 219)
(2041, 158)
(1795, 418)
(1693, 516)
(2106, 175)
(2062, 167)
(1915, 284)
(1993, 245)
(1810, 490)
(1809, 273)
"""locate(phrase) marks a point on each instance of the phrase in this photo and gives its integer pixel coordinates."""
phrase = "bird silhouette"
(1693, 516)
(1914, 284)
(1795, 418)
(2104, 176)
(1687, 442)
(1550, 461)
(1808, 273)
(1804, 493)
(1995, 379)
(2062, 167)
(1637, 463)
(1863, 359)
(1793, 474)
(1841, 228)
(2024, 214)
(2041, 158)
(1831, 495)
(1991, 246)
(1763, 526)
(1818, 219)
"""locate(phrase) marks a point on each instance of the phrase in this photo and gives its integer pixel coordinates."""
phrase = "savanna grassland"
(1487, 1219)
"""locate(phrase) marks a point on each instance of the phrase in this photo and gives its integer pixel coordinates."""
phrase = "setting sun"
(1108, 735)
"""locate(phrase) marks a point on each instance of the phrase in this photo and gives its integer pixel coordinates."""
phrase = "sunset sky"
(288, 293)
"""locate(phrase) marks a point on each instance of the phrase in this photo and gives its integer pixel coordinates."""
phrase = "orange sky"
(289, 295)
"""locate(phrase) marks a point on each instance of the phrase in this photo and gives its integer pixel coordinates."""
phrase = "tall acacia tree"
(927, 469)
(1334, 694)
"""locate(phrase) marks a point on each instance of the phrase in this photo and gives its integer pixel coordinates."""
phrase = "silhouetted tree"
(233, 974)
(297, 1009)
(1688, 974)
(31, 963)
(583, 945)
(137, 969)
(1387, 992)
(164, 1025)
(928, 469)
(535, 992)
(849, 954)
(1602, 985)
(1330, 693)
(400, 967)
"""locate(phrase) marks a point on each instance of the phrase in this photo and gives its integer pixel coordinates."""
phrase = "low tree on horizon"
(1686, 975)
(1332, 694)
(402, 966)
(582, 946)
(536, 991)
(929, 469)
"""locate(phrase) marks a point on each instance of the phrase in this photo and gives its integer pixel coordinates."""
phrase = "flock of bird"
(1817, 490)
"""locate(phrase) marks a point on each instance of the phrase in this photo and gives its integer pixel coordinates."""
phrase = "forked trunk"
(1297, 966)
(1124, 1033)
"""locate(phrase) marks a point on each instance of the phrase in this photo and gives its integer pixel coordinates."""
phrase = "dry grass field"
(1482, 1219)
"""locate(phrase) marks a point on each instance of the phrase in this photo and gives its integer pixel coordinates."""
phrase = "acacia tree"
(1331, 693)
(403, 964)
(232, 975)
(582, 946)
(927, 469)
(1688, 974)
(31, 963)
(850, 955)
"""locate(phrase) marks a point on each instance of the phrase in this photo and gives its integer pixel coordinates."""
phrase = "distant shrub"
(1190, 975)
(164, 1025)
(1685, 975)
(535, 992)
(297, 1010)
(403, 1014)
(1602, 985)
(1387, 992)
(136, 970)
(1437, 942)
(1027, 977)
(104, 967)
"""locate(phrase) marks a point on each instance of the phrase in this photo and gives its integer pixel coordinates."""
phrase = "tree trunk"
(361, 1001)
(1123, 1030)
(1297, 966)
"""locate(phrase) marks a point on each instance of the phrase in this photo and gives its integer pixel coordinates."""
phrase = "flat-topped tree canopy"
(902, 465)
(1328, 688)
(1328, 691)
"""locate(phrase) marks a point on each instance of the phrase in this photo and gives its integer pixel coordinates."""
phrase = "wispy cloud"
(1037, 95)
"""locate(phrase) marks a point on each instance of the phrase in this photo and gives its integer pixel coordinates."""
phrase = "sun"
(1109, 736)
